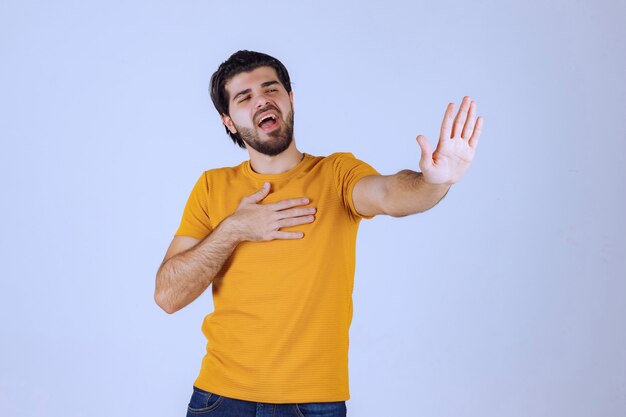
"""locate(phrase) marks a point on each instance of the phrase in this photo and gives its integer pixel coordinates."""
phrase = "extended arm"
(409, 192)
(396, 195)
(191, 265)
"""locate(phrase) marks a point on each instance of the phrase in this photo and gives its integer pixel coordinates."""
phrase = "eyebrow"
(247, 90)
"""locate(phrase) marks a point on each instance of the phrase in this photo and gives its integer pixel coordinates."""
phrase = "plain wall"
(506, 299)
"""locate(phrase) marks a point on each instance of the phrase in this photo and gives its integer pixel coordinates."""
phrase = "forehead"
(245, 80)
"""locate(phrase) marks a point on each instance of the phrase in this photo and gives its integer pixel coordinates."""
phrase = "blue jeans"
(207, 404)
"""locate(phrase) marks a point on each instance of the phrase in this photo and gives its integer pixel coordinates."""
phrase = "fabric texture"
(282, 308)
(203, 403)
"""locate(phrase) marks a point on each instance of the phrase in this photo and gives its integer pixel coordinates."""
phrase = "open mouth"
(268, 122)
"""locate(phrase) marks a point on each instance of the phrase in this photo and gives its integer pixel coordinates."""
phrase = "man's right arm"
(191, 265)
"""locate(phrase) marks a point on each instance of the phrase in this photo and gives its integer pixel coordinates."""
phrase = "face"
(261, 110)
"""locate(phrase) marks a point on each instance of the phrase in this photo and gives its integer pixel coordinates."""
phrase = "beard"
(279, 139)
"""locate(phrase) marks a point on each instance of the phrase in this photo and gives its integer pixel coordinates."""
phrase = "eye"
(243, 99)
(272, 90)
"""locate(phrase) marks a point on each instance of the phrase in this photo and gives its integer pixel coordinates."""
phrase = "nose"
(260, 101)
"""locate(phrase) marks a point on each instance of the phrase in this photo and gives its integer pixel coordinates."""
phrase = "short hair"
(241, 61)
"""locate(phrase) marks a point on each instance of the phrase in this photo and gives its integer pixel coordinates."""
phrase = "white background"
(507, 299)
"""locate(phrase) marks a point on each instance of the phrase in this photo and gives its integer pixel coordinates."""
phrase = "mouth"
(268, 121)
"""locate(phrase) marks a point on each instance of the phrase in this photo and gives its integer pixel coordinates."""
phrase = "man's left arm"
(410, 192)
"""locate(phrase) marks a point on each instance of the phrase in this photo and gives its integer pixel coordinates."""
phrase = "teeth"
(269, 115)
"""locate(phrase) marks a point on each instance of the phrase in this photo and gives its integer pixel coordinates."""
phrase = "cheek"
(241, 120)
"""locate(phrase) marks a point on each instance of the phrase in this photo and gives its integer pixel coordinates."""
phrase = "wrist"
(231, 230)
(434, 185)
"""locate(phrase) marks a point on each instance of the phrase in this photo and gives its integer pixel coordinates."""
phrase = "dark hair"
(241, 61)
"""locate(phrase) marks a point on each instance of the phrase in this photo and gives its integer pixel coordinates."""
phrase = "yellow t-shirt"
(283, 308)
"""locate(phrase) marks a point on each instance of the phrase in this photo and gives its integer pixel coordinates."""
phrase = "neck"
(277, 164)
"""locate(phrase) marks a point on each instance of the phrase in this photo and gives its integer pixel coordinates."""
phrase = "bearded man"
(276, 237)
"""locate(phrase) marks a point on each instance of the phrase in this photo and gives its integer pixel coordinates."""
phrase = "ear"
(291, 96)
(228, 122)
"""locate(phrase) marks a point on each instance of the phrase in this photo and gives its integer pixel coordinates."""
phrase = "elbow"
(169, 311)
(396, 214)
(401, 211)
(168, 308)
(162, 302)
(160, 296)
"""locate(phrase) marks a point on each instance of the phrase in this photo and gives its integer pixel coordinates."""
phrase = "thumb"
(427, 150)
(261, 194)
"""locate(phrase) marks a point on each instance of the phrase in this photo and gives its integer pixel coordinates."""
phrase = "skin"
(244, 111)
(190, 265)
(410, 192)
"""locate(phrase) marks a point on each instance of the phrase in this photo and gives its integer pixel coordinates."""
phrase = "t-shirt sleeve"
(195, 222)
(348, 171)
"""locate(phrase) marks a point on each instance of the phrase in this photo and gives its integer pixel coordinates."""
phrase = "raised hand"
(455, 151)
(253, 221)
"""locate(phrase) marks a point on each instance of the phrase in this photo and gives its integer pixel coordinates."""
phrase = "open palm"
(458, 140)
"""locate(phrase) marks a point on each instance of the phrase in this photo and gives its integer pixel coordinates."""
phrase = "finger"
(294, 221)
(287, 235)
(446, 124)
(473, 142)
(461, 116)
(426, 148)
(295, 212)
(471, 121)
(292, 202)
(259, 195)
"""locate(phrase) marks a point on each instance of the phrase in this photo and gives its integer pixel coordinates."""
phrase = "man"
(276, 237)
